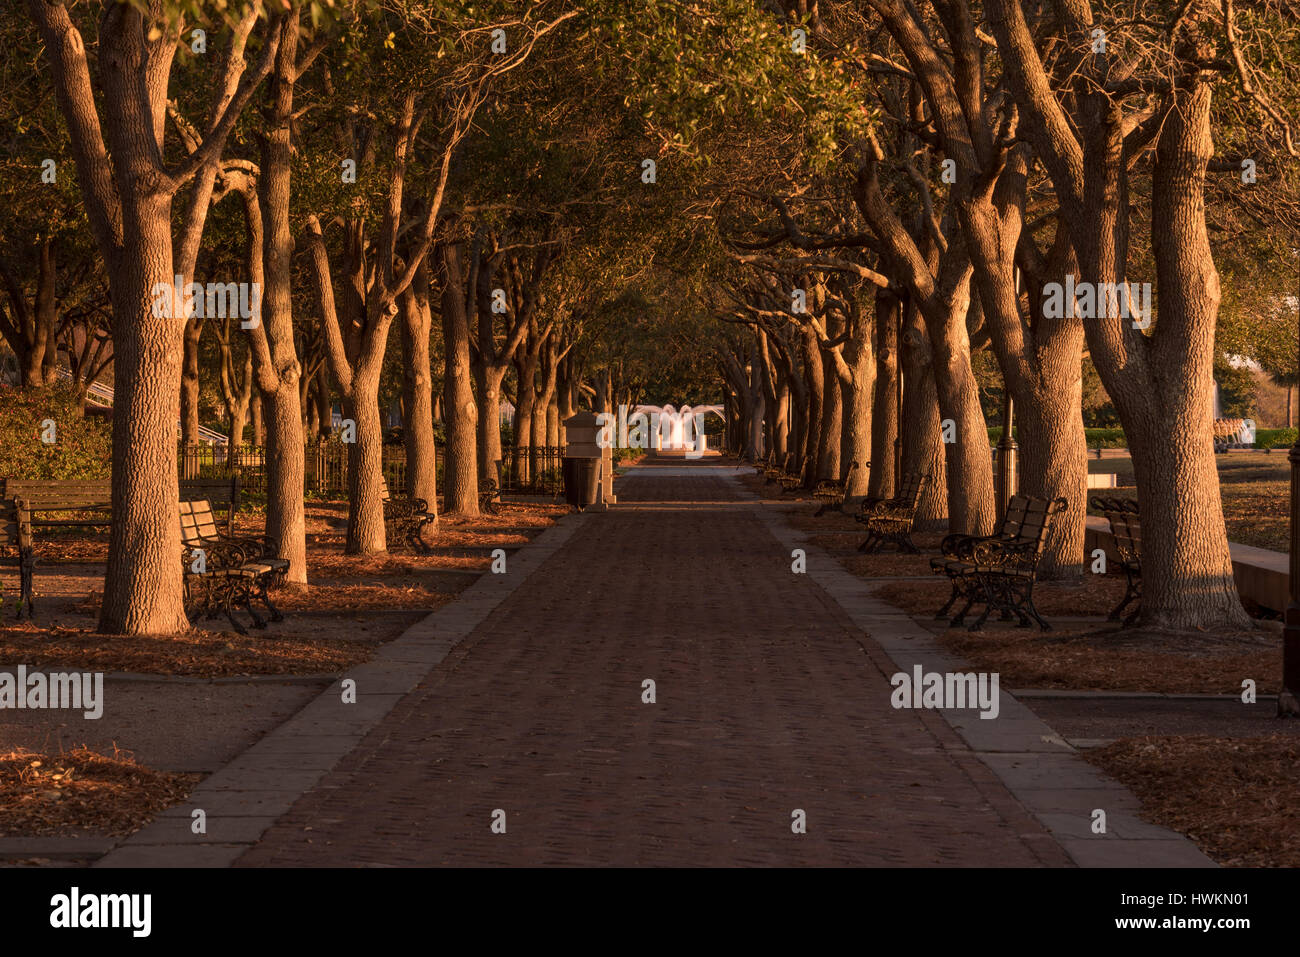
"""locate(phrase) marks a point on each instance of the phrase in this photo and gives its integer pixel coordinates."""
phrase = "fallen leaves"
(1237, 798)
(82, 792)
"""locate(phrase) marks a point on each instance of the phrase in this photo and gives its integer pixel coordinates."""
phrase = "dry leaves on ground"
(1101, 656)
(204, 653)
(1237, 798)
(82, 792)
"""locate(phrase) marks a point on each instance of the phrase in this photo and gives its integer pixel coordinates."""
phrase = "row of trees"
(1021, 153)
(594, 202)
(362, 165)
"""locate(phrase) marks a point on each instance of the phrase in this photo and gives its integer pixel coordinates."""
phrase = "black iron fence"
(325, 466)
(536, 471)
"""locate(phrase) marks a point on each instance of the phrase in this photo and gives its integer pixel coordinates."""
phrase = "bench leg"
(952, 600)
(989, 603)
(226, 605)
(1033, 611)
(27, 565)
(246, 599)
(265, 599)
(417, 537)
(960, 617)
(1131, 592)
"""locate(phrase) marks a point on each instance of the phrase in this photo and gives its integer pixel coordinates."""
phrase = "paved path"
(769, 699)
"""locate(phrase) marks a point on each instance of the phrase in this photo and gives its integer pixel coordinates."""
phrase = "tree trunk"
(857, 396)
(923, 448)
(972, 504)
(142, 587)
(815, 383)
(417, 392)
(884, 419)
(460, 472)
(190, 383)
(1187, 579)
(525, 399)
(324, 407)
(366, 532)
(259, 422)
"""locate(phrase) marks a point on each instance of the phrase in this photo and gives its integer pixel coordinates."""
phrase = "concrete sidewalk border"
(1040, 769)
(247, 796)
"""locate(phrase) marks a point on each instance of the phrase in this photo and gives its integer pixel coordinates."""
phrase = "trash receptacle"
(581, 480)
(582, 465)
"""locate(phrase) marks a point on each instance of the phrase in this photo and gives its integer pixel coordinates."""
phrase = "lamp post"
(1288, 702)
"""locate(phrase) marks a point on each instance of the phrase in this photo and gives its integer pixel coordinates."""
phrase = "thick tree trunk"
(286, 515)
(972, 504)
(857, 394)
(284, 439)
(417, 392)
(884, 419)
(923, 448)
(832, 426)
(754, 433)
(489, 420)
(814, 382)
(142, 588)
(366, 532)
(1187, 579)
(460, 472)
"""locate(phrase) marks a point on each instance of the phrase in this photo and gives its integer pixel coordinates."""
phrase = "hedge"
(1275, 438)
(82, 447)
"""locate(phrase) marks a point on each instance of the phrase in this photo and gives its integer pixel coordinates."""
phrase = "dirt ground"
(1237, 798)
(179, 706)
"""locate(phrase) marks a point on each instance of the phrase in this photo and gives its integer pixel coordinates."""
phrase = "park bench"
(830, 492)
(762, 465)
(16, 547)
(1126, 533)
(791, 476)
(892, 520)
(773, 472)
(999, 570)
(88, 503)
(407, 517)
(221, 570)
(489, 492)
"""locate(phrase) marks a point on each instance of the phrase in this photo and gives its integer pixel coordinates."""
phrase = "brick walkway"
(768, 700)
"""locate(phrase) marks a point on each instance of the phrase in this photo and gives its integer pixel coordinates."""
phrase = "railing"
(325, 466)
(536, 471)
